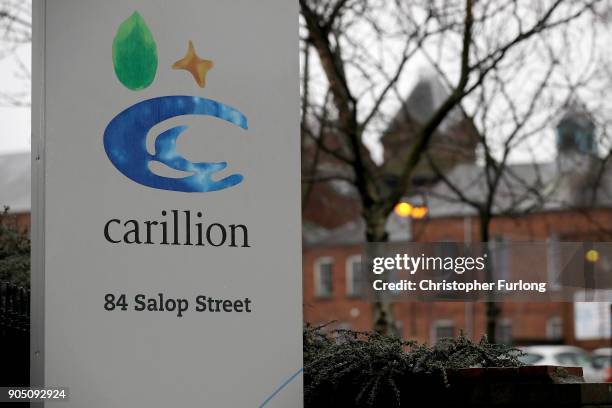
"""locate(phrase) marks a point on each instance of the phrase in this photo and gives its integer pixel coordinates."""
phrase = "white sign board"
(166, 203)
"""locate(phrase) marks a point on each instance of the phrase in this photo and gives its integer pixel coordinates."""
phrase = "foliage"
(370, 369)
(14, 252)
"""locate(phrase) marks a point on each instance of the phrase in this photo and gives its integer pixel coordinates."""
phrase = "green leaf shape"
(135, 53)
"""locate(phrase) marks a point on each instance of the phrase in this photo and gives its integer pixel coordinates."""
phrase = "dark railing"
(14, 307)
(14, 335)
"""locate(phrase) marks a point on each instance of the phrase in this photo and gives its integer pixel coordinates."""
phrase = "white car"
(602, 363)
(568, 356)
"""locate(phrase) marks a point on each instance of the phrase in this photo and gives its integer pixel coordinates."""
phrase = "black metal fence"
(14, 335)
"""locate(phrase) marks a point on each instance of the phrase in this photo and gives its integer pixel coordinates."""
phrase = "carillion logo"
(135, 62)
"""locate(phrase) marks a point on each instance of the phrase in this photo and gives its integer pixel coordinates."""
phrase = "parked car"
(568, 356)
(602, 364)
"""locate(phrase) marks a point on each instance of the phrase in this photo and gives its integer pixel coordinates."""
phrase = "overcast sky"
(15, 130)
(14, 122)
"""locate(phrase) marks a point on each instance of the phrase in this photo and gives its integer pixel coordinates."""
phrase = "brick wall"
(18, 220)
(530, 321)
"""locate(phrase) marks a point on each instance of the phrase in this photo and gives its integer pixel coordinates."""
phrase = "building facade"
(568, 199)
(330, 279)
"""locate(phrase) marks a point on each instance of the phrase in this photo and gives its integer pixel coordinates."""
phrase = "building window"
(500, 253)
(503, 332)
(397, 329)
(442, 250)
(445, 249)
(554, 328)
(393, 275)
(355, 279)
(323, 277)
(442, 329)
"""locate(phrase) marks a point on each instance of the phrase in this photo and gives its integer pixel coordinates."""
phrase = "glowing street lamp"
(403, 209)
(407, 210)
(592, 256)
(419, 212)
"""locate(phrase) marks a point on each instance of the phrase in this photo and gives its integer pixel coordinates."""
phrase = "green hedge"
(14, 252)
(346, 368)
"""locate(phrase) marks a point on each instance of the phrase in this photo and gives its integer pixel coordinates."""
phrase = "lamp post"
(591, 256)
(407, 211)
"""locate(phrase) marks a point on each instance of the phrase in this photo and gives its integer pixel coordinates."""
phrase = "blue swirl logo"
(126, 135)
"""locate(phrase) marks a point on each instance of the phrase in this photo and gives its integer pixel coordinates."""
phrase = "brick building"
(454, 143)
(330, 278)
(568, 199)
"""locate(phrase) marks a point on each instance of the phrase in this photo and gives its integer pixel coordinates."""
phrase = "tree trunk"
(492, 311)
(382, 311)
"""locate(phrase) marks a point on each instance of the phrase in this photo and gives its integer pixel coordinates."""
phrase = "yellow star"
(194, 64)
